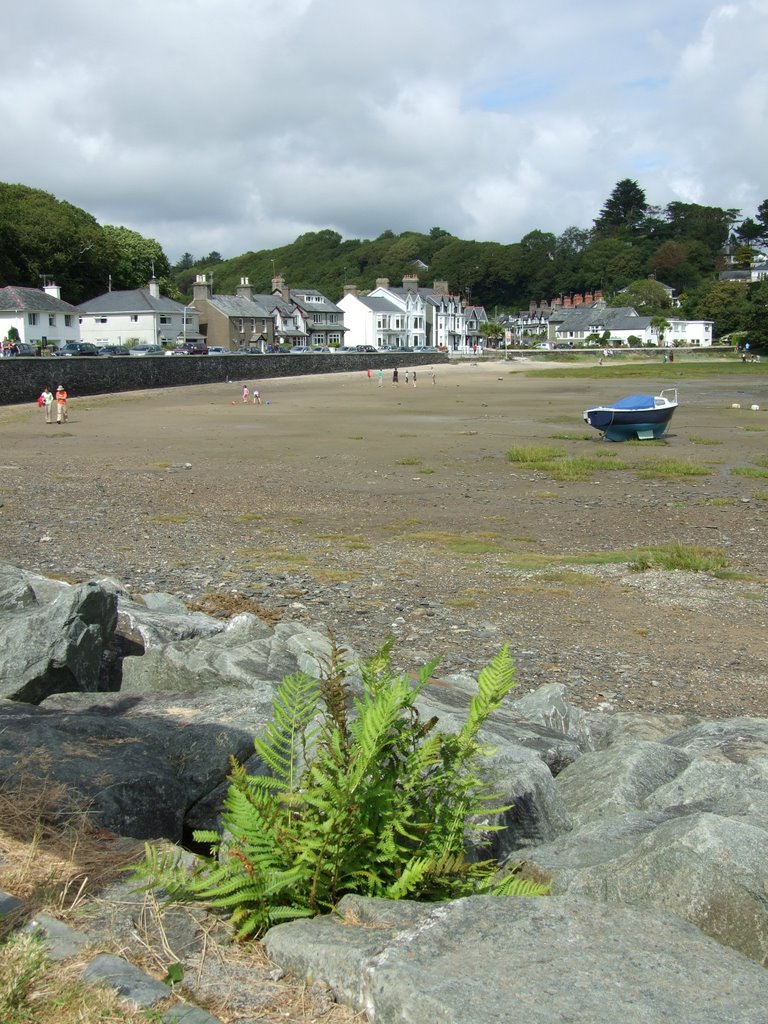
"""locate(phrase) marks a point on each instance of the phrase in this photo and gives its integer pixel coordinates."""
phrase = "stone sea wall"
(22, 379)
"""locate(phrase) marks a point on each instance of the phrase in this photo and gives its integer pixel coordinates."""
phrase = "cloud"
(240, 124)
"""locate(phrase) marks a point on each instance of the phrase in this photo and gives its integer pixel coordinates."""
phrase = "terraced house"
(40, 316)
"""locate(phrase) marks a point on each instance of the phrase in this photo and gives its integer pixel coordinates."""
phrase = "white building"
(141, 316)
(617, 325)
(39, 315)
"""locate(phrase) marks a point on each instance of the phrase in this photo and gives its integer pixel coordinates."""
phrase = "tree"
(492, 331)
(660, 324)
(645, 295)
(724, 302)
(135, 259)
(186, 262)
(624, 209)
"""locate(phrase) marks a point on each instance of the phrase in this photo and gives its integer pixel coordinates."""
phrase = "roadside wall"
(22, 379)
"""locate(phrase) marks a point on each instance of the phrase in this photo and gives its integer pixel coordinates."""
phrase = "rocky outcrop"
(642, 822)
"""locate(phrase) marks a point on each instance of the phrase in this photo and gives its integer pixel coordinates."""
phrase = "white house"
(39, 315)
(373, 320)
(141, 316)
(618, 324)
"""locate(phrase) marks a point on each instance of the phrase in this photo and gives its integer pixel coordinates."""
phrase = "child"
(246, 393)
(256, 397)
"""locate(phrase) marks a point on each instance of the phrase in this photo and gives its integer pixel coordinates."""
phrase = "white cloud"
(240, 124)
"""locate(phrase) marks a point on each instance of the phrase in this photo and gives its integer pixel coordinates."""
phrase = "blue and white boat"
(644, 417)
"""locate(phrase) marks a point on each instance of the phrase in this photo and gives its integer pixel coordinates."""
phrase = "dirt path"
(377, 510)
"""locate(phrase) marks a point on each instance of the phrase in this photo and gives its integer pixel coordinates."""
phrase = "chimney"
(589, 298)
(154, 288)
(382, 282)
(440, 287)
(411, 282)
(244, 290)
(201, 289)
(280, 288)
(599, 295)
(532, 307)
(53, 290)
(567, 302)
(350, 289)
(578, 299)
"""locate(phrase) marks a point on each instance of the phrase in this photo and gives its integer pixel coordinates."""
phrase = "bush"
(363, 797)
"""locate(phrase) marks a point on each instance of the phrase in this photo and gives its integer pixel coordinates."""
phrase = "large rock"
(707, 869)
(482, 960)
(610, 782)
(57, 647)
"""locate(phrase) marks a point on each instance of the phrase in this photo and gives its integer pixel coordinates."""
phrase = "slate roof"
(379, 304)
(588, 318)
(235, 305)
(14, 299)
(136, 300)
(298, 294)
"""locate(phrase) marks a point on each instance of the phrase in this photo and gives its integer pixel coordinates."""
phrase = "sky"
(237, 125)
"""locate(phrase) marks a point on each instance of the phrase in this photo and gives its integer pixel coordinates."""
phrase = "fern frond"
(294, 707)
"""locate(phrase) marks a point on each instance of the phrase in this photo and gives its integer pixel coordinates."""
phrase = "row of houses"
(588, 318)
(405, 316)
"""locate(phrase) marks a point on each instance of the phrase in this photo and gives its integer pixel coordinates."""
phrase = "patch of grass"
(161, 465)
(356, 437)
(256, 557)
(403, 525)
(676, 556)
(719, 502)
(695, 439)
(410, 461)
(462, 544)
(356, 544)
(461, 602)
(755, 430)
(251, 517)
(666, 468)
(534, 455)
(426, 471)
(169, 517)
(760, 496)
(582, 467)
(565, 436)
(528, 560)
(581, 579)
(296, 520)
(754, 472)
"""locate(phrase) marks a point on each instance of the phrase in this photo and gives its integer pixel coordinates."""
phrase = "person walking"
(246, 393)
(256, 397)
(381, 377)
(406, 376)
(369, 373)
(62, 413)
(414, 378)
(434, 375)
(395, 376)
(47, 397)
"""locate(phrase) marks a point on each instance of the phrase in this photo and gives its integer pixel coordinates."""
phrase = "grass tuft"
(665, 468)
(676, 556)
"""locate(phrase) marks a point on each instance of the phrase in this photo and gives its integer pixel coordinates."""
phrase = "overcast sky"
(239, 124)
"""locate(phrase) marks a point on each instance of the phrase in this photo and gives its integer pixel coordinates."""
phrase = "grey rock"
(549, 706)
(735, 739)
(128, 981)
(61, 941)
(57, 647)
(533, 960)
(610, 782)
(622, 727)
(707, 869)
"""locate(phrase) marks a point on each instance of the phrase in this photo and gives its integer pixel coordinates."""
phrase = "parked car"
(321, 348)
(300, 350)
(147, 350)
(77, 348)
(191, 348)
(345, 350)
(422, 348)
(365, 348)
(113, 350)
(218, 350)
(23, 348)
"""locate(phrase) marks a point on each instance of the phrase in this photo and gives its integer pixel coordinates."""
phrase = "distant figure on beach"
(246, 393)
(47, 403)
(395, 376)
(406, 376)
(414, 378)
(62, 414)
(256, 397)
(434, 375)
(368, 371)
(381, 377)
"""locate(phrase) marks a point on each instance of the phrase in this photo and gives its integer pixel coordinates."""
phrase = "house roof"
(616, 318)
(136, 300)
(15, 299)
(379, 304)
(298, 296)
(236, 305)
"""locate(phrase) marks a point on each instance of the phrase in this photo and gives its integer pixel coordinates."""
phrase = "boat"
(644, 417)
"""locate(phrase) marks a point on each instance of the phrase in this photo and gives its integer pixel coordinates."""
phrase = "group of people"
(247, 395)
(410, 376)
(9, 347)
(47, 400)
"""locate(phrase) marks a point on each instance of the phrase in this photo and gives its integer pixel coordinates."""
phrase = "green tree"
(646, 296)
(136, 259)
(727, 303)
(661, 325)
(623, 211)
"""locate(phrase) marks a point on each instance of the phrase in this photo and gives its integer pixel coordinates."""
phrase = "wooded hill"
(681, 244)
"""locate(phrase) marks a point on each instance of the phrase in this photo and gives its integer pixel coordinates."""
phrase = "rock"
(610, 782)
(59, 646)
(483, 959)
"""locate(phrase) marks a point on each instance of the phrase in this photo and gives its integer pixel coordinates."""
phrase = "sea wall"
(22, 379)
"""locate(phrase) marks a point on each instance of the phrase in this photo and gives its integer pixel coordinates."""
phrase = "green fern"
(363, 797)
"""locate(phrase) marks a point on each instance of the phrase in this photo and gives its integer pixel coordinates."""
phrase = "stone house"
(233, 321)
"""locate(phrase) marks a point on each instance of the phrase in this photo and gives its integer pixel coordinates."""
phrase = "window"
(101, 320)
(32, 319)
(165, 319)
(134, 318)
(68, 318)
(51, 319)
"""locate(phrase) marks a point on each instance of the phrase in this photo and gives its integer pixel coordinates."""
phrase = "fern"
(363, 797)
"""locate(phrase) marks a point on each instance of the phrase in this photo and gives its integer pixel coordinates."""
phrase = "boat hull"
(621, 422)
